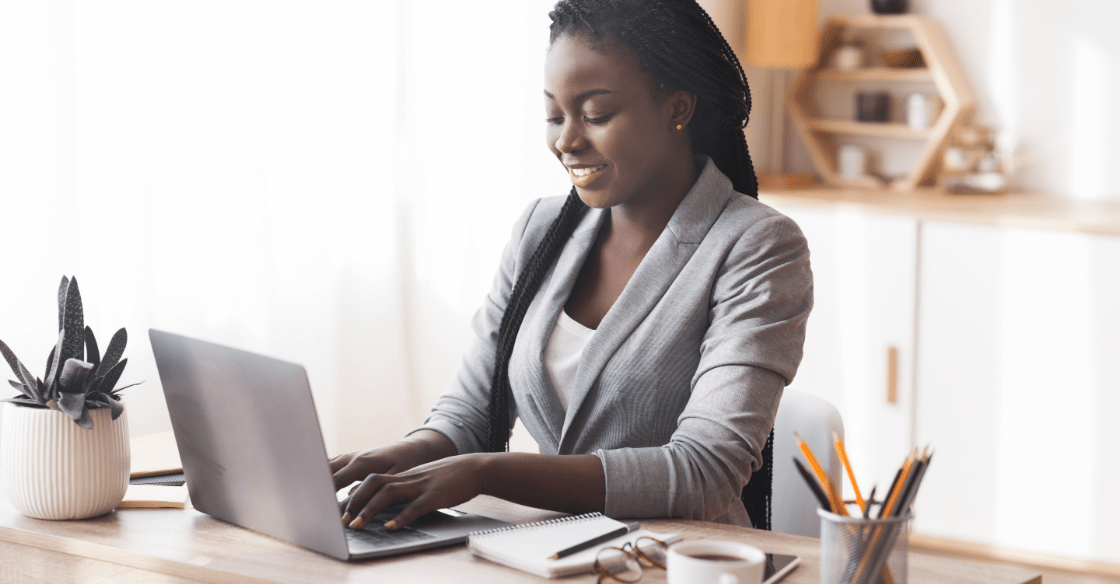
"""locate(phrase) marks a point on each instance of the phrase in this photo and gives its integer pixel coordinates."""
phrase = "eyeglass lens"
(625, 564)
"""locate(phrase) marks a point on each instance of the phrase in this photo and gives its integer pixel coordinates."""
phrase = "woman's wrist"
(569, 483)
(487, 466)
(424, 446)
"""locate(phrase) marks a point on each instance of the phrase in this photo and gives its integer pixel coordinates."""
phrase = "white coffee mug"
(705, 561)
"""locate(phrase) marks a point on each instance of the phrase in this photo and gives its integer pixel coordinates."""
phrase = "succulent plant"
(78, 377)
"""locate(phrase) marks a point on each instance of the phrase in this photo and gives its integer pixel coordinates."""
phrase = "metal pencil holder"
(855, 550)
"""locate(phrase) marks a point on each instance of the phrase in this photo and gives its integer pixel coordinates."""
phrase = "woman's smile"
(583, 176)
(611, 128)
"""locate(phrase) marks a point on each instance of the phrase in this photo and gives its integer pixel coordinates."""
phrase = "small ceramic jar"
(847, 57)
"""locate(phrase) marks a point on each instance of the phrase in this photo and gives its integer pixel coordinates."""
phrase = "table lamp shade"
(782, 33)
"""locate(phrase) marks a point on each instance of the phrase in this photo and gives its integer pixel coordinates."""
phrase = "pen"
(903, 479)
(870, 501)
(814, 486)
(579, 547)
(915, 482)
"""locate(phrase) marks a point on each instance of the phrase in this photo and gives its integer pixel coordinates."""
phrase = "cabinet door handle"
(892, 375)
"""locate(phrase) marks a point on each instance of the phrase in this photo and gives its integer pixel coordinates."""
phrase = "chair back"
(793, 506)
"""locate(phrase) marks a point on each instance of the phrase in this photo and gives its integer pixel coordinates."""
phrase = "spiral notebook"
(528, 547)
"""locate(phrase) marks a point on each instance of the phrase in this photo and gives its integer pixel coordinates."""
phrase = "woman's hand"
(570, 483)
(419, 448)
(444, 483)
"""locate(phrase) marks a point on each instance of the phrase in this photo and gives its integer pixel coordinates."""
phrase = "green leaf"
(74, 404)
(111, 378)
(29, 379)
(10, 357)
(85, 421)
(93, 356)
(116, 392)
(31, 382)
(73, 323)
(50, 361)
(74, 375)
(25, 402)
(113, 353)
(62, 301)
(52, 373)
(27, 392)
(116, 407)
(17, 367)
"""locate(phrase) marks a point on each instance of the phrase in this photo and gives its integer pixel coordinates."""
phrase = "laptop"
(253, 454)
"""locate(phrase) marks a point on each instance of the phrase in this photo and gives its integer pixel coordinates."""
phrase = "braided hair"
(678, 43)
(524, 290)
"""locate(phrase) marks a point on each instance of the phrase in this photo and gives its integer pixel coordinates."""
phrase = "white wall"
(246, 171)
(328, 183)
(1046, 75)
(729, 16)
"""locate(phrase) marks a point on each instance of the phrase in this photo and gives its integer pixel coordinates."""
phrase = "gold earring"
(678, 126)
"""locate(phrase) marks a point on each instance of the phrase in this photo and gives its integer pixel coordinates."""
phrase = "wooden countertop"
(179, 546)
(1015, 209)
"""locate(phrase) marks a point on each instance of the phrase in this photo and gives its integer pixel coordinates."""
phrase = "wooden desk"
(177, 546)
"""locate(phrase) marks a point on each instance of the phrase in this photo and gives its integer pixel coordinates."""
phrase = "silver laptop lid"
(250, 441)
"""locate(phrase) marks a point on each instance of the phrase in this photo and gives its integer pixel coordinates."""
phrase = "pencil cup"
(855, 550)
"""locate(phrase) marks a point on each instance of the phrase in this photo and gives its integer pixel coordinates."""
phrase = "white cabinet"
(859, 349)
(1008, 345)
(1019, 388)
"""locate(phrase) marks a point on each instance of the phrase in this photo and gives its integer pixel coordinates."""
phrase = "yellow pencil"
(838, 506)
(888, 506)
(906, 468)
(839, 444)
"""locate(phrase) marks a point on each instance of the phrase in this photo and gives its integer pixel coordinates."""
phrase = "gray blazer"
(677, 389)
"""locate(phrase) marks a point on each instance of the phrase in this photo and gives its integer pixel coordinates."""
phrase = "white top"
(562, 352)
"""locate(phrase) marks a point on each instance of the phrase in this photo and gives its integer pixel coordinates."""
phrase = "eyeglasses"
(624, 564)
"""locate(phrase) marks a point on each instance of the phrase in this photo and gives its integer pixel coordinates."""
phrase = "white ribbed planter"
(54, 469)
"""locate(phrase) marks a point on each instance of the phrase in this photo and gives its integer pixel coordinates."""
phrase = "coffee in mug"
(717, 557)
(709, 561)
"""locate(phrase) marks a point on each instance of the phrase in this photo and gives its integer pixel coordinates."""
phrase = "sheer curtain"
(330, 183)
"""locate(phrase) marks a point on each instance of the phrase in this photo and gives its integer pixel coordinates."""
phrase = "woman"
(644, 327)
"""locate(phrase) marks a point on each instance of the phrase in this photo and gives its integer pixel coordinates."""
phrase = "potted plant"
(64, 446)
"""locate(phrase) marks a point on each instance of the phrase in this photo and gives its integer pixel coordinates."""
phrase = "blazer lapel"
(551, 299)
(692, 219)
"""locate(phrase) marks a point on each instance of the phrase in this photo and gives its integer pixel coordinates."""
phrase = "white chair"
(793, 508)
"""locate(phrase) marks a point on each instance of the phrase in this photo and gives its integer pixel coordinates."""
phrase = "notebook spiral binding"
(537, 524)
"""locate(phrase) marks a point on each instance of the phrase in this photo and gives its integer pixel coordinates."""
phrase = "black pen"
(579, 547)
(870, 500)
(814, 485)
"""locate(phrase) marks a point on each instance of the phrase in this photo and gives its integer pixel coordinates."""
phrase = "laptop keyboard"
(375, 536)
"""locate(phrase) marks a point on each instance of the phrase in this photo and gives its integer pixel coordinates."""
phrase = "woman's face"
(605, 125)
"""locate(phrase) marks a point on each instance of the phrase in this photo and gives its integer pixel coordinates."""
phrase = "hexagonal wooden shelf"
(821, 135)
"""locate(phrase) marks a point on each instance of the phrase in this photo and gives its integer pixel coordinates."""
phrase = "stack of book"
(156, 478)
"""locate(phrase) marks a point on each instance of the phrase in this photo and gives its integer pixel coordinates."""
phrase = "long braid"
(528, 282)
(683, 49)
